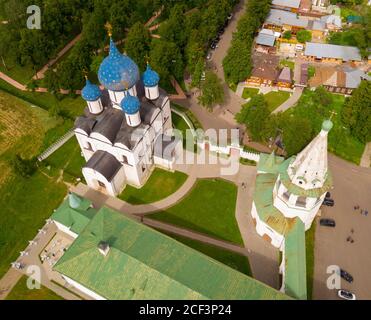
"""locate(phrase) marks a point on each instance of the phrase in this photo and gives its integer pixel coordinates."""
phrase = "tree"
(137, 44)
(356, 113)
(237, 63)
(166, 59)
(211, 90)
(24, 167)
(287, 35)
(197, 73)
(173, 29)
(255, 115)
(322, 97)
(304, 36)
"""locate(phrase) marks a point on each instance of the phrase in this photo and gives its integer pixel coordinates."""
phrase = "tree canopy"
(356, 113)
(211, 90)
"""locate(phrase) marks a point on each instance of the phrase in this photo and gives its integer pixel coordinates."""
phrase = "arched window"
(301, 202)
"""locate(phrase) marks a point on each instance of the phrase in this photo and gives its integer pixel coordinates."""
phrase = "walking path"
(195, 236)
(290, 102)
(8, 281)
(11, 278)
(366, 157)
(41, 73)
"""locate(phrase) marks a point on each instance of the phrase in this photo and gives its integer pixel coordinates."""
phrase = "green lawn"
(71, 104)
(68, 158)
(21, 74)
(229, 258)
(25, 203)
(309, 248)
(21, 292)
(340, 140)
(275, 98)
(249, 92)
(180, 124)
(160, 185)
(208, 208)
(287, 63)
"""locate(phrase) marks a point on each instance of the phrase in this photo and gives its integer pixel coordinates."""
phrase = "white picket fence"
(55, 146)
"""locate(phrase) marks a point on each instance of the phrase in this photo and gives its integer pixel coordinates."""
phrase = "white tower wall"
(133, 120)
(152, 93)
(95, 107)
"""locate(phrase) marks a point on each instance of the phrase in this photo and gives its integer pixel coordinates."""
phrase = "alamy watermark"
(34, 19)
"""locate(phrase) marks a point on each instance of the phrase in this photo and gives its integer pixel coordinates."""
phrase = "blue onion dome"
(91, 92)
(130, 104)
(150, 78)
(117, 71)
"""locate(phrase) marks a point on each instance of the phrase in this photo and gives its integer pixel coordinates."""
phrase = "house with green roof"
(116, 258)
(287, 197)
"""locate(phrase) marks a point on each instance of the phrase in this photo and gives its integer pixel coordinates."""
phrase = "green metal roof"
(75, 219)
(295, 261)
(145, 264)
(263, 199)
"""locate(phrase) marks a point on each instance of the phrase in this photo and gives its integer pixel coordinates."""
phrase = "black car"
(328, 195)
(327, 223)
(329, 202)
(213, 45)
(346, 276)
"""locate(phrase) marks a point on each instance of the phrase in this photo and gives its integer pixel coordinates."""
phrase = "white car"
(346, 295)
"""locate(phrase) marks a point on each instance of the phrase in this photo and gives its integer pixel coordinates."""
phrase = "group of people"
(350, 239)
(362, 211)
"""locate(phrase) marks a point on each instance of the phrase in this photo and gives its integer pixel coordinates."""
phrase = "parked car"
(328, 195)
(327, 223)
(213, 45)
(346, 295)
(328, 202)
(299, 47)
(230, 16)
(346, 276)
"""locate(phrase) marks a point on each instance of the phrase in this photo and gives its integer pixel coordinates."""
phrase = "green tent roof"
(295, 261)
(75, 219)
(145, 264)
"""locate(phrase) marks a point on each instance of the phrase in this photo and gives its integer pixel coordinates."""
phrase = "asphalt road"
(352, 186)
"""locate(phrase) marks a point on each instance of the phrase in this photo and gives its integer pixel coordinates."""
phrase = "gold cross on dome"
(109, 28)
(332, 113)
(85, 73)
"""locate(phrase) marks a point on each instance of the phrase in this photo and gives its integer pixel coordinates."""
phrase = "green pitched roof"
(75, 219)
(263, 199)
(295, 261)
(145, 264)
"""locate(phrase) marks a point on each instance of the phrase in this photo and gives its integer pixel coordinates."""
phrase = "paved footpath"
(366, 157)
(290, 102)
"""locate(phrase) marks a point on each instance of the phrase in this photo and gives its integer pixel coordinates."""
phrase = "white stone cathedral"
(127, 127)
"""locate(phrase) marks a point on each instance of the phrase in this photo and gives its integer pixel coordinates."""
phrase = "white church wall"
(65, 229)
(277, 240)
(83, 289)
(305, 215)
(92, 177)
(152, 93)
(116, 98)
(95, 107)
